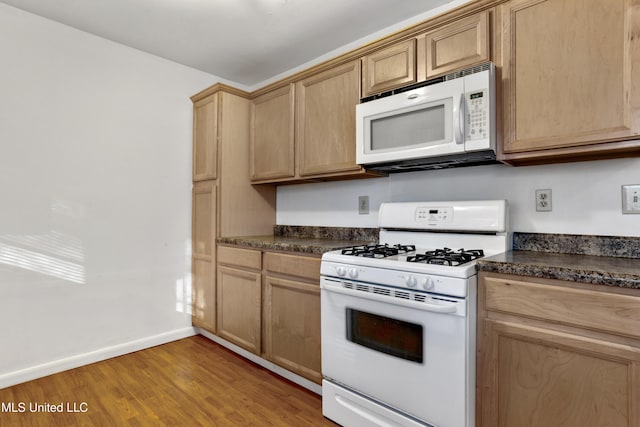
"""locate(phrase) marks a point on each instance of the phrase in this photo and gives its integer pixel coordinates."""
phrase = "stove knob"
(353, 273)
(427, 283)
(341, 271)
(411, 281)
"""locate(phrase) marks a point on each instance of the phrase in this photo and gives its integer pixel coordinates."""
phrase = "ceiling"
(245, 41)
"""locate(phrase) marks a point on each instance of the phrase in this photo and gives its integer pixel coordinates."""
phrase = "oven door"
(408, 354)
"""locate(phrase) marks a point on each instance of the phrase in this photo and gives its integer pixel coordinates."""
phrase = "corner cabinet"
(570, 79)
(556, 353)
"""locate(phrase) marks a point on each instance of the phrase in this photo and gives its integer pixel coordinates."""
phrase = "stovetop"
(439, 256)
(427, 246)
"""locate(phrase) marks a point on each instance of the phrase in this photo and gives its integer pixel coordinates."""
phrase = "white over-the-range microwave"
(447, 123)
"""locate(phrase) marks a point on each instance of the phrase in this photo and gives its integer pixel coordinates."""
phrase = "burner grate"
(378, 250)
(446, 256)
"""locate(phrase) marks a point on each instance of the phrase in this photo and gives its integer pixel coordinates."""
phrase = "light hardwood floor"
(190, 382)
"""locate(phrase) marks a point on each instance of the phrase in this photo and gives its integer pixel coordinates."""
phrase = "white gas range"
(399, 318)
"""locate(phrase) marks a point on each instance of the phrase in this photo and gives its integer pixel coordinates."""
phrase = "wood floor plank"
(190, 382)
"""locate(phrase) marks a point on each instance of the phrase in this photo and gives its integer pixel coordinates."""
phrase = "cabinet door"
(533, 377)
(203, 255)
(389, 68)
(461, 44)
(239, 299)
(272, 135)
(569, 76)
(205, 138)
(292, 326)
(326, 120)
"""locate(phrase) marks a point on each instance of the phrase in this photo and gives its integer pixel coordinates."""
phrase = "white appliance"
(445, 124)
(399, 318)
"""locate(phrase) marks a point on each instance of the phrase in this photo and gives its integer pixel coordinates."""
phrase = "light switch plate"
(631, 199)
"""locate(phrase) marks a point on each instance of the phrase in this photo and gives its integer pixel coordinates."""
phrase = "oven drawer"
(353, 410)
(595, 310)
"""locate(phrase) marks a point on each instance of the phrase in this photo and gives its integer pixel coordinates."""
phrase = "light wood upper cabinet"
(272, 135)
(389, 68)
(310, 135)
(556, 353)
(461, 44)
(205, 138)
(326, 120)
(203, 254)
(569, 78)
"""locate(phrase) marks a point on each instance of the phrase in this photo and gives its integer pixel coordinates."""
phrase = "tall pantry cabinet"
(224, 201)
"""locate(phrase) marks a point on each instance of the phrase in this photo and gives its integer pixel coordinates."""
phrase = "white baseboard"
(295, 378)
(49, 368)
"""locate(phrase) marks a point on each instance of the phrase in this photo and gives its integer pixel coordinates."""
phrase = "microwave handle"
(461, 116)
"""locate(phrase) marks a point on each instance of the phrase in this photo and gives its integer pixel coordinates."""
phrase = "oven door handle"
(424, 306)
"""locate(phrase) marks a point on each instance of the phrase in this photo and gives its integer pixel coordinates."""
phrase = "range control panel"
(434, 215)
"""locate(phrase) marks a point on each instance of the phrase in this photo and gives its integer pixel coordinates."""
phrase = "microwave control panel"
(477, 114)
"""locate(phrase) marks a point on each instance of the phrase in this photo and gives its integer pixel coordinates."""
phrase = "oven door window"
(390, 336)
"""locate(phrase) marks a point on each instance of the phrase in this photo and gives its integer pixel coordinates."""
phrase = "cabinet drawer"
(293, 265)
(595, 310)
(248, 258)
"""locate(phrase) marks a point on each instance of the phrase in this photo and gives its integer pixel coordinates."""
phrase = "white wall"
(586, 196)
(95, 181)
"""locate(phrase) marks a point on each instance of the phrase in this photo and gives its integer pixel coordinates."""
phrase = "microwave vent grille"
(447, 77)
(473, 70)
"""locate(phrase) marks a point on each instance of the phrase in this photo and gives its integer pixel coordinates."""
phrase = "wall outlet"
(543, 200)
(631, 199)
(363, 205)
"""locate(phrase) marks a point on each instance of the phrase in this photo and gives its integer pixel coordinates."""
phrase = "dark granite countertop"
(598, 270)
(290, 244)
(305, 239)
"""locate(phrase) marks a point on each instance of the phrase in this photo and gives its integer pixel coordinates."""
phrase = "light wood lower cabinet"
(239, 298)
(269, 303)
(291, 324)
(554, 353)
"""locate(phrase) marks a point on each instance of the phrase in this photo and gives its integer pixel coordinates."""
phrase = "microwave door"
(423, 122)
